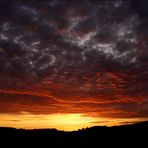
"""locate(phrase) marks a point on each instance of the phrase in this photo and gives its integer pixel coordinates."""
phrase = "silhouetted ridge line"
(96, 135)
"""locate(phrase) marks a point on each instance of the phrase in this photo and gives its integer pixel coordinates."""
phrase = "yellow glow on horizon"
(66, 122)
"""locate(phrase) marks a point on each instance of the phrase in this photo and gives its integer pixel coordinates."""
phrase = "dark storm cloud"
(82, 55)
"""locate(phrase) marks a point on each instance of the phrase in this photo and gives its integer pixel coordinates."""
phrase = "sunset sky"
(73, 64)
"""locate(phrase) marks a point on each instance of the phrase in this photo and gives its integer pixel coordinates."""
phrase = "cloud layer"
(74, 57)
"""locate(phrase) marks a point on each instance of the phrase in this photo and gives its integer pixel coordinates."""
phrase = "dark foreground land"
(119, 136)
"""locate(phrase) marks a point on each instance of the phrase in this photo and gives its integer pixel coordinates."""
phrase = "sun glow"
(66, 122)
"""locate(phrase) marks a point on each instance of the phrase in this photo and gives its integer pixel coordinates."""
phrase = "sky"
(73, 64)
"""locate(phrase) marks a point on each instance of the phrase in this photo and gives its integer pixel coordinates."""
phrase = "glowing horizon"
(66, 122)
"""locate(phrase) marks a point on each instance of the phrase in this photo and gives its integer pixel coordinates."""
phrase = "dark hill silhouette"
(97, 135)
